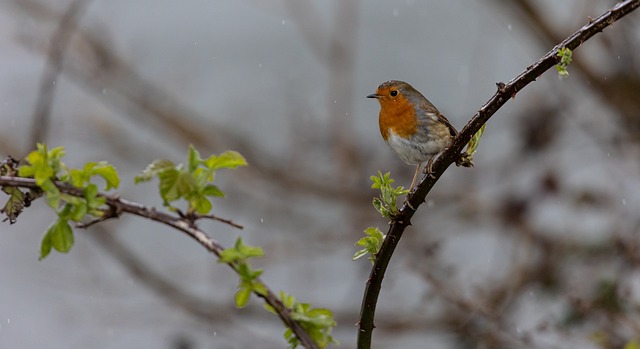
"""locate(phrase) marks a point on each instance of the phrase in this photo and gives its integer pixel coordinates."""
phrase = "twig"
(220, 219)
(183, 225)
(504, 93)
(57, 47)
(109, 213)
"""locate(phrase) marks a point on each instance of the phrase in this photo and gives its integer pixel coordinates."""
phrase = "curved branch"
(182, 224)
(414, 199)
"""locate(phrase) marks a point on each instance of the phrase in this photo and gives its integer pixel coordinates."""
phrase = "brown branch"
(182, 224)
(220, 219)
(57, 47)
(414, 199)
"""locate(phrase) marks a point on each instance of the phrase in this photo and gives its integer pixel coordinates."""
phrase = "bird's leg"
(413, 182)
(415, 176)
(427, 169)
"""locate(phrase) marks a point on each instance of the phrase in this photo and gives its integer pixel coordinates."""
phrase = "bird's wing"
(431, 109)
(452, 130)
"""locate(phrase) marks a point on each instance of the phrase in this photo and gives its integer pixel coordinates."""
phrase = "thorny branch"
(182, 224)
(416, 198)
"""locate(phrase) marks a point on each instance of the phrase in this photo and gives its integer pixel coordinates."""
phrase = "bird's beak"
(374, 95)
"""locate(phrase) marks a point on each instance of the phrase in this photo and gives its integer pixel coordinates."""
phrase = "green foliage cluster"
(317, 322)
(371, 243)
(46, 166)
(193, 183)
(566, 56)
(238, 257)
(387, 202)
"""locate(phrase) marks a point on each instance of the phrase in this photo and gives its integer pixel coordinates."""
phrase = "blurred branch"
(335, 46)
(415, 199)
(167, 290)
(57, 48)
(94, 64)
(181, 224)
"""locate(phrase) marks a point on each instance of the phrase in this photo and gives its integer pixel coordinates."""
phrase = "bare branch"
(220, 219)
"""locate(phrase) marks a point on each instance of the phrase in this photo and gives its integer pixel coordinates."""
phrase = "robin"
(412, 127)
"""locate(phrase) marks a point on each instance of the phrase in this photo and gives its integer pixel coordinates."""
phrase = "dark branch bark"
(504, 93)
(181, 224)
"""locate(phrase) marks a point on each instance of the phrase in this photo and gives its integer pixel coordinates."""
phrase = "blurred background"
(535, 247)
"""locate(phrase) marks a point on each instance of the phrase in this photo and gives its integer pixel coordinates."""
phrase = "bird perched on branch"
(412, 127)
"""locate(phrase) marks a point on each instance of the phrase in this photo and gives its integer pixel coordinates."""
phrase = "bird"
(412, 127)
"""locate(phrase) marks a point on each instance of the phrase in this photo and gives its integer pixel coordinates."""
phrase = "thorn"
(406, 202)
(501, 86)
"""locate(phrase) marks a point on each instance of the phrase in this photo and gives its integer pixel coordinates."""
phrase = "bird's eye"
(393, 93)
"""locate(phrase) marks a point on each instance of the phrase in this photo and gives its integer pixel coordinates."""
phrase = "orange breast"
(397, 116)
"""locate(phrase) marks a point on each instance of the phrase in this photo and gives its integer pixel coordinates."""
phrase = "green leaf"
(291, 338)
(77, 177)
(52, 194)
(59, 236)
(174, 183)
(212, 190)
(194, 158)
(377, 204)
(269, 308)
(475, 141)
(154, 168)
(93, 201)
(252, 251)
(229, 255)
(242, 297)
(107, 172)
(79, 210)
(240, 253)
(371, 243)
(62, 239)
(200, 204)
(228, 159)
(43, 164)
(287, 300)
(259, 288)
(359, 254)
(45, 245)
